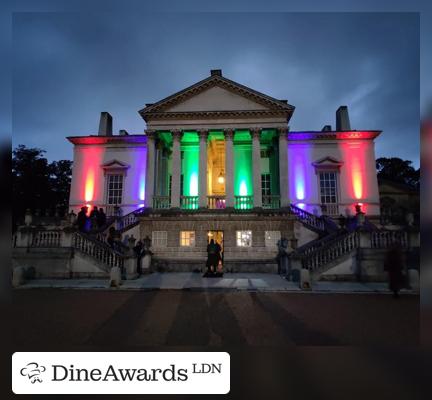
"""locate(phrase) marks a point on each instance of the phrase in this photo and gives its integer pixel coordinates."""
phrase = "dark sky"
(70, 66)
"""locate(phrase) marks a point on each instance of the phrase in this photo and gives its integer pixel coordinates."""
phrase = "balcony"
(216, 202)
(189, 202)
(161, 202)
(243, 202)
(330, 209)
(271, 201)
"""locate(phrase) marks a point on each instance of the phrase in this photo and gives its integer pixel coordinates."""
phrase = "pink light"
(92, 172)
(354, 155)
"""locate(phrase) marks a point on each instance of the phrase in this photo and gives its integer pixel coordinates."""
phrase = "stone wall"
(176, 257)
(57, 263)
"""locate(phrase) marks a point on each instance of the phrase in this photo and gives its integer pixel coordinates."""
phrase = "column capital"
(282, 131)
(203, 133)
(177, 134)
(229, 133)
(151, 134)
(255, 133)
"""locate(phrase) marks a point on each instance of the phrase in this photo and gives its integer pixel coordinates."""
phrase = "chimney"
(326, 128)
(216, 72)
(123, 132)
(105, 124)
(342, 119)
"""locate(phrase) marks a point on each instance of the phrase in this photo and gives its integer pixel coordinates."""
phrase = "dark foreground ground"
(83, 318)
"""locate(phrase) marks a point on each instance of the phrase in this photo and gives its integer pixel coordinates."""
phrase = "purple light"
(297, 170)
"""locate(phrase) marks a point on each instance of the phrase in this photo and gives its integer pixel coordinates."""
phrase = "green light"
(190, 167)
(243, 167)
(193, 185)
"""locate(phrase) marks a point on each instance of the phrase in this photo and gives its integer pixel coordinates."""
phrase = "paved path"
(195, 281)
(68, 319)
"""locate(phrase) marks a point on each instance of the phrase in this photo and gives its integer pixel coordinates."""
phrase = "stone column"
(283, 168)
(158, 174)
(176, 169)
(202, 184)
(256, 167)
(229, 168)
(150, 168)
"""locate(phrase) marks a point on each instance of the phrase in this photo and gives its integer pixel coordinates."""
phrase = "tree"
(398, 170)
(37, 184)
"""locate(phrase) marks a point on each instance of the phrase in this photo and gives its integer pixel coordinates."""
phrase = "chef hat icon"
(33, 371)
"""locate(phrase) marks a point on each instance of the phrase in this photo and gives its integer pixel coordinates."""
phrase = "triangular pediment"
(327, 163)
(217, 94)
(327, 160)
(115, 164)
(217, 98)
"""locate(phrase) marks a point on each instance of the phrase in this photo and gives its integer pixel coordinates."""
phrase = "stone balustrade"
(386, 239)
(161, 202)
(331, 251)
(243, 202)
(189, 202)
(317, 254)
(216, 202)
(50, 238)
(98, 250)
(307, 218)
(271, 201)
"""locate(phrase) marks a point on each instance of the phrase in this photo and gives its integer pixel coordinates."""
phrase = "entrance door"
(217, 236)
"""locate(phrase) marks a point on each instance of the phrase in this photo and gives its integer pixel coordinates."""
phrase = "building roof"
(268, 104)
(96, 139)
(333, 135)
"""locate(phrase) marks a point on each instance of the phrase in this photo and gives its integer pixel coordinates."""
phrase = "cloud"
(68, 67)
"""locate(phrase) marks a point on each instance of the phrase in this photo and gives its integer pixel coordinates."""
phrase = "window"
(328, 187)
(115, 189)
(265, 185)
(187, 238)
(244, 238)
(271, 238)
(265, 153)
(159, 238)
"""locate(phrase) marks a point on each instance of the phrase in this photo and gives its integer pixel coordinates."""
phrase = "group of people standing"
(96, 220)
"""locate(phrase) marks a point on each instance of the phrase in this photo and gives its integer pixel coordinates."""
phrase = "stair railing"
(97, 250)
(333, 249)
(308, 218)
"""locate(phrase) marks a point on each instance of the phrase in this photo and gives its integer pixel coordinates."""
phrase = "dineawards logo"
(33, 371)
(121, 373)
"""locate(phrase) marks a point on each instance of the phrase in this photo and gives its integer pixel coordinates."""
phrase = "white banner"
(121, 373)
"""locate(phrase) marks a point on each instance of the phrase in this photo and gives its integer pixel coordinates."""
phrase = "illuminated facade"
(217, 160)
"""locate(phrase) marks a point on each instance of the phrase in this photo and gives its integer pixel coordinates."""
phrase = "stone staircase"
(320, 255)
(328, 252)
(105, 257)
(322, 225)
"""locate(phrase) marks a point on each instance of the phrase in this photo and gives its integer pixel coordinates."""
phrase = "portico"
(217, 145)
(214, 168)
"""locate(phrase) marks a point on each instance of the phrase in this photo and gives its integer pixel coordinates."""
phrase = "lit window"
(271, 238)
(244, 238)
(114, 189)
(187, 238)
(159, 238)
(328, 187)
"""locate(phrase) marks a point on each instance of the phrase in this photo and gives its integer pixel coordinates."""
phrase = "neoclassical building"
(217, 160)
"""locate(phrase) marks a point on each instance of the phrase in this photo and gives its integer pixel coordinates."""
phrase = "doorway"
(217, 236)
